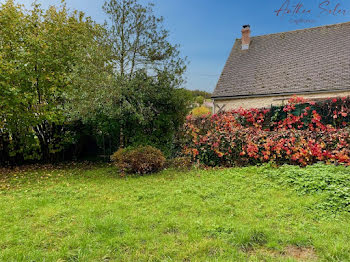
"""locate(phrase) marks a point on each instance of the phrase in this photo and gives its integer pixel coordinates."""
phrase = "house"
(267, 70)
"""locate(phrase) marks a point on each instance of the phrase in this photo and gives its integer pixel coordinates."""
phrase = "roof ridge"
(304, 29)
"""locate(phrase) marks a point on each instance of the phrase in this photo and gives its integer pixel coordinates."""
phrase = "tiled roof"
(303, 61)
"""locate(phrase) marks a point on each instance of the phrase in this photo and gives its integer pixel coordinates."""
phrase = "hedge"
(300, 132)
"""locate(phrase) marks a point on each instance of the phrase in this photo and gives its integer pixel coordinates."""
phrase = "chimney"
(245, 37)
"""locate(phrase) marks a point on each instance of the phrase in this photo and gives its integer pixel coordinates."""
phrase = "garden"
(248, 185)
(104, 156)
(85, 212)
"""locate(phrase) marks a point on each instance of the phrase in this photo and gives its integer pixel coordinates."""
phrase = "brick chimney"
(245, 37)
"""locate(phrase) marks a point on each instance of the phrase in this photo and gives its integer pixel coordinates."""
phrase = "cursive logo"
(326, 8)
(299, 12)
(286, 9)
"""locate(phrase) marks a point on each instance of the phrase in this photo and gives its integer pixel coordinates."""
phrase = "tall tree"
(140, 53)
(140, 41)
(43, 52)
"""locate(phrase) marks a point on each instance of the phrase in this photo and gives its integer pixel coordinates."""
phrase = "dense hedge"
(301, 132)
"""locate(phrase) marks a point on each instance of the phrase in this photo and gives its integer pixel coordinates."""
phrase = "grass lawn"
(90, 213)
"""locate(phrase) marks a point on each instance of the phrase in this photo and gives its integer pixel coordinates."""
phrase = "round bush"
(140, 160)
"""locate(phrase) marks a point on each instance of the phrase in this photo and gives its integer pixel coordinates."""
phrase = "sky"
(206, 29)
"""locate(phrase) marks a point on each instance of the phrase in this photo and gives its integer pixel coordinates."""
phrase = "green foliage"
(161, 113)
(140, 41)
(197, 93)
(139, 160)
(143, 103)
(333, 182)
(42, 53)
(62, 74)
(200, 100)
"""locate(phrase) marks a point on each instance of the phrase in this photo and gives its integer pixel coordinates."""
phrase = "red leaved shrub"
(294, 134)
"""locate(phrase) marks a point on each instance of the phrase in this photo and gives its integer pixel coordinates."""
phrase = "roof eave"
(280, 94)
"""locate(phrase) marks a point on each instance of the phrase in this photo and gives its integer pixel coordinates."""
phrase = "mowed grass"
(90, 213)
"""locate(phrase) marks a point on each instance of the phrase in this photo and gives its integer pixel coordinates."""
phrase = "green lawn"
(240, 214)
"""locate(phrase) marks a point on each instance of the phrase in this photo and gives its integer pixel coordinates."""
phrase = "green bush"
(199, 100)
(140, 160)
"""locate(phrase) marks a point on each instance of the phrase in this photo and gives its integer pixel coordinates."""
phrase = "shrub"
(293, 134)
(140, 160)
(182, 163)
(199, 100)
(200, 111)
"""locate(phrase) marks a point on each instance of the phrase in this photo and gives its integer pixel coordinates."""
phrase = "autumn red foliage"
(301, 132)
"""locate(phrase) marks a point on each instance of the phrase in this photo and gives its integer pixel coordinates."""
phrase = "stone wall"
(259, 102)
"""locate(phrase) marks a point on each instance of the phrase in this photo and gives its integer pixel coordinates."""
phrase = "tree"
(142, 59)
(199, 100)
(139, 40)
(164, 111)
(43, 53)
(204, 94)
(59, 68)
